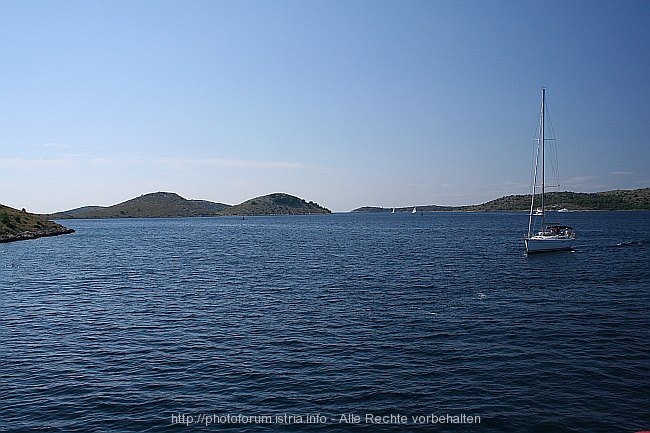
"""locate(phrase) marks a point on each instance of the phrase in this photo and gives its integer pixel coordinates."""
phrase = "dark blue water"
(256, 324)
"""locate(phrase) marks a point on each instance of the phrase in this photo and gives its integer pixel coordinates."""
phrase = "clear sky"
(346, 103)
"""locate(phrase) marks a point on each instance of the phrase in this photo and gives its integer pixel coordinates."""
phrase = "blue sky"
(346, 103)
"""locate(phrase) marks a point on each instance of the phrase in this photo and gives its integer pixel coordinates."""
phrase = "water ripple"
(127, 322)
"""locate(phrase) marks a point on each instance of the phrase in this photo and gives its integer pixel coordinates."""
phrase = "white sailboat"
(542, 235)
(415, 210)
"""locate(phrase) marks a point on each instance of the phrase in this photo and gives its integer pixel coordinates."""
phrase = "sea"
(344, 322)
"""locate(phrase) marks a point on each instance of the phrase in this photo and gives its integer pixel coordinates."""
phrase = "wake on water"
(628, 244)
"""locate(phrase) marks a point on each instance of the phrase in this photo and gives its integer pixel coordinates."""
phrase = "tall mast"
(540, 146)
(543, 153)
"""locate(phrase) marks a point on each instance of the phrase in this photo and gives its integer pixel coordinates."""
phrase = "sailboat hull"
(537, 244)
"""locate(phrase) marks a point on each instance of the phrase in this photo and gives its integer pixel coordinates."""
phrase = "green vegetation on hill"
(154, 205)
(275, 204)
(638, 199)
(171, 205)
(17, 225)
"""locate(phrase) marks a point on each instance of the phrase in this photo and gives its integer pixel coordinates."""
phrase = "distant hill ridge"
(172, 205)
(637, 199)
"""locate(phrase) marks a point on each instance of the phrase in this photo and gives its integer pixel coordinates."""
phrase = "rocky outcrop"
(21, 236)
(16, 225)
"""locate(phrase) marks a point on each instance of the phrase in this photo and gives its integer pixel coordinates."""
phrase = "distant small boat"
(542, 235)
(564, 210)
(393, 210)
(414, 210)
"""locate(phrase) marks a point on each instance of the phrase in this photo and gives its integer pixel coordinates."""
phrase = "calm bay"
(209, 323)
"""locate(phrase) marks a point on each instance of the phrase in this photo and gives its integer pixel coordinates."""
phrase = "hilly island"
(172, 205)
(637, 199)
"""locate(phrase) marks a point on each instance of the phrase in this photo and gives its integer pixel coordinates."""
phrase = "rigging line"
(553, 159)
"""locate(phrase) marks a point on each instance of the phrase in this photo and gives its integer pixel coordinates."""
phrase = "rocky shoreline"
(18, 225)
(26, 235)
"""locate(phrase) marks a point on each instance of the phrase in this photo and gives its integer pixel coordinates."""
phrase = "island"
(172, 205)
(636, 199)
(275, 204)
